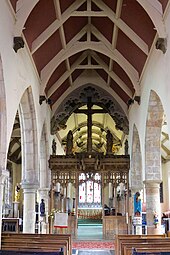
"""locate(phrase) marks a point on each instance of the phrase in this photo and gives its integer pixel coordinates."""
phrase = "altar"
(90, 213)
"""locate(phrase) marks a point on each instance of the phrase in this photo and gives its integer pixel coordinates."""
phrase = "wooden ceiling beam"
(23, 10)
(55, 25)
(90, 77)
(96, 46)
(155, 12)
(123, 26)
(66, 75)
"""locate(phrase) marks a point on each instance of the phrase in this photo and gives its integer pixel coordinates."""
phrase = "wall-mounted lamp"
(43, 98)
(18, 43)
(132, 100)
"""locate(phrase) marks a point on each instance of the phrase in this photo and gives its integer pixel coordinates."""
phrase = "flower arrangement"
(53, 211)
(155, 219)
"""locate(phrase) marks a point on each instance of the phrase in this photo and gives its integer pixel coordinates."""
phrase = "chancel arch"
(3, 138)
(153, 174)
(30, 165)
(44, 174)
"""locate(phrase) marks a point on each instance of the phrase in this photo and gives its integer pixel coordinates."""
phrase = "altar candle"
(110, 190)
(69, 190)
(57, 187)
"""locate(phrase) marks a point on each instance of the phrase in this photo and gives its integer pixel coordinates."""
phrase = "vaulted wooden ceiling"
(78, 42)
(111, 37)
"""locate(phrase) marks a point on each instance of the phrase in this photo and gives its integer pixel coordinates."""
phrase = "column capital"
(152, 183)
(29, 187)
(3, 176)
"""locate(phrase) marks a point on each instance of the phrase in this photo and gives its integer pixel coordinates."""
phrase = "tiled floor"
(91, 233)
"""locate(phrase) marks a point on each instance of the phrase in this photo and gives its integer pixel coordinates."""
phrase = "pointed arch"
(153, 138)
(44, 156)
(28, 138)
(136, 159)
(3, 121)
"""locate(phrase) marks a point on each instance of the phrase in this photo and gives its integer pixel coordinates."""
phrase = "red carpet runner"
(93, 245)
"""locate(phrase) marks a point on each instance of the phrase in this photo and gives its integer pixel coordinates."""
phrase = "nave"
(84, 123)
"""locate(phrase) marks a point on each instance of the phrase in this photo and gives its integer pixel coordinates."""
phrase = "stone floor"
(95, 252)
(91, 233)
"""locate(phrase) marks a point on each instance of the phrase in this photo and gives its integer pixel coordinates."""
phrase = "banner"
(61, 220)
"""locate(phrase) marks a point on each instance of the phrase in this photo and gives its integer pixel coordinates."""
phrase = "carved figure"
(69, 147)
(109, 138)
(42, 208)
(137, 204)
(126, 147)
(17, 193)
(54, 147)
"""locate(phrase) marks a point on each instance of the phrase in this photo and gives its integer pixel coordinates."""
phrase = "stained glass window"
(89, 190)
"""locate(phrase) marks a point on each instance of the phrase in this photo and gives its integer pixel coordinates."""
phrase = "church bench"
(154, 251)
(9, 252)
(47, 242)
(128, 248)
(119, 239)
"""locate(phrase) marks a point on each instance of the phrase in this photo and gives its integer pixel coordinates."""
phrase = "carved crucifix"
(89, 112)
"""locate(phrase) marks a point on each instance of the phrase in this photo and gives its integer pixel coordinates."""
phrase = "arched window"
(89, 190)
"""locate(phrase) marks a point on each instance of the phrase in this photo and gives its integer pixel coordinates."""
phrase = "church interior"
(84, 127)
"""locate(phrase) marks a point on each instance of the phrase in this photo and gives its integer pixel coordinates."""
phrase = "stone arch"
(136, 159)
(45, 176)
(3, 139)
(3, 121)
(29, 159)
(153, 138)
(44, 156)
(153, 161)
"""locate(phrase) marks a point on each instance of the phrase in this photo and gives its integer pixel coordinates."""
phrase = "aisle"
(90, 232)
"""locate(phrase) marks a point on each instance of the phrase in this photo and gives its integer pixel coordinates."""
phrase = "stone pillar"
(153, 206)
(29, 192)
(3, 176)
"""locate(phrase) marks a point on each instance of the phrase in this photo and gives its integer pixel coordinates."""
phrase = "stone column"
(153, 206)
(3, 176)
(29, 192)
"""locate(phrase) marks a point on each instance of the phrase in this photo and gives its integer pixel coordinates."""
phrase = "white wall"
(19, 74)
(156, 77)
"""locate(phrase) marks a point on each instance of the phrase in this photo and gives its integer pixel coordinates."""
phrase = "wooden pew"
(37, 242)
(151, 250)
(128, 248)
(121, 240)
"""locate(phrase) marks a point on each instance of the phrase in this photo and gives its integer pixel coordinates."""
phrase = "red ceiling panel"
(73, 25)
(64, 4)
(112, 4)
(94, 7)
(131, 52)
(103, 74)
(83, 7)
(143, 26)
(56, 75)
(39, 20)
(119, 91)
(14, 2)
(76, 73)
(47, 51)
(58, 93)
(104, 58)
(105, 26)
(123, 76)
(164, 3)
(74, 57)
